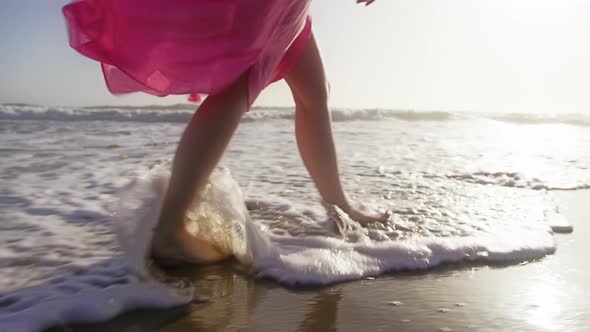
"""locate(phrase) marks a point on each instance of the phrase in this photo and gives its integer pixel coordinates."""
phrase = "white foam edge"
(89, 305)
(560, 224)
(410, 255)
(92, 305)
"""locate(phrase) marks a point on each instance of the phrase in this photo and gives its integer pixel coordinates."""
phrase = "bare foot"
(365, 219)
(173, 245)
(360, 217)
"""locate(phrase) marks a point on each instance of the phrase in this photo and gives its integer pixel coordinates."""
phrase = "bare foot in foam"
(172, 244)
(337, 214)
(176, 246)
(365, 219)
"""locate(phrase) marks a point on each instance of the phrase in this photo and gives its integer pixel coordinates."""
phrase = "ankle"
(170, 223)
(343, 205)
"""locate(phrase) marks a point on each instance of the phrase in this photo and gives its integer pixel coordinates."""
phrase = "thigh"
(307, 79)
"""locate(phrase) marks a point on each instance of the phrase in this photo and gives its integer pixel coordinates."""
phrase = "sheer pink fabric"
(189, 46)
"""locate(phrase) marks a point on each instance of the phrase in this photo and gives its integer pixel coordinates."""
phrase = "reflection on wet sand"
(322, 312)
(233, 298)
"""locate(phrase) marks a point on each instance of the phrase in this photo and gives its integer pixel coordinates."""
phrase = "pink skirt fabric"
(189, 46)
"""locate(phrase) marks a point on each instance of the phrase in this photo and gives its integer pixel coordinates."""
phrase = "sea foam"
(459, 188)
(278, 240)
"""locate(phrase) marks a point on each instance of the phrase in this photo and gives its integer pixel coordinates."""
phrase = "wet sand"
(546, 295)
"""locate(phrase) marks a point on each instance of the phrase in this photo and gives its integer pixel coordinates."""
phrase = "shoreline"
(542, 295)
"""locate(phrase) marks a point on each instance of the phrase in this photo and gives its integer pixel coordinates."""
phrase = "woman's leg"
(313, 129)
(200, 149)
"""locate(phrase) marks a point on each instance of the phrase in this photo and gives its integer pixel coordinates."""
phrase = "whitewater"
(80, 190)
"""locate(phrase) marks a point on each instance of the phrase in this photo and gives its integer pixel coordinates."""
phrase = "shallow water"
(459, 188)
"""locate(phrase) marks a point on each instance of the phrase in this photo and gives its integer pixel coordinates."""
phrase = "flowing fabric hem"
(87, 40)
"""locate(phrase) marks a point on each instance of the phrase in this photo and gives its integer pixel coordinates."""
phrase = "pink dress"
(192, 47)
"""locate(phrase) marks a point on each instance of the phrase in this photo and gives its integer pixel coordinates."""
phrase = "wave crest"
(181, 113)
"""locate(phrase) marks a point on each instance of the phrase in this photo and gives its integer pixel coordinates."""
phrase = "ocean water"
(80, 188)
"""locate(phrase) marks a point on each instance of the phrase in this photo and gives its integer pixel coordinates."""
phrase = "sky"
(516, 56)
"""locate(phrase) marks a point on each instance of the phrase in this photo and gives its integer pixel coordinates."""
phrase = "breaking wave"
(181, 113)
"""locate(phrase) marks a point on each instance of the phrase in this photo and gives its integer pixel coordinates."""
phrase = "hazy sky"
(493, 55)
